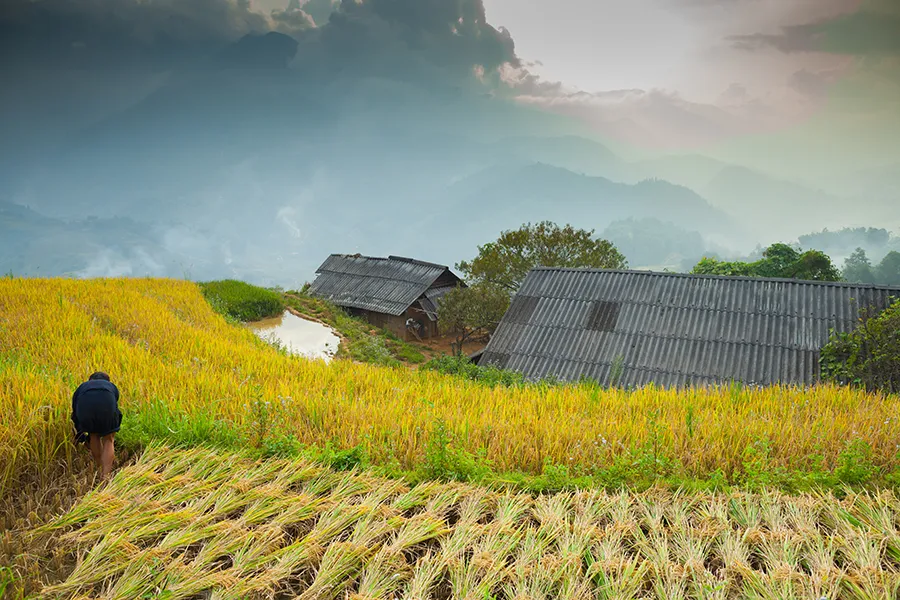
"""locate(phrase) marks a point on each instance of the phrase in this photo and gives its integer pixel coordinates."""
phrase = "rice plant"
(504, 546)
(189, 378)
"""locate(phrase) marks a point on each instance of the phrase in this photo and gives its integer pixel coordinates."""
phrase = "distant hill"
(791, 208)
(505, 197)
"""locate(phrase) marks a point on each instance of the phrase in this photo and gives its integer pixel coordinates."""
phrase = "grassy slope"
(190, 378)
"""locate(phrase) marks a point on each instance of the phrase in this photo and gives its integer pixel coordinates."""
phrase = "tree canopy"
(869, 356)
(506, 262)
(779, 260)
(859, 269)
(471, 312)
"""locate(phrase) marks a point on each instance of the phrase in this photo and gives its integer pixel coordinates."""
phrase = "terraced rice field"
(179, 364)
(199, 524)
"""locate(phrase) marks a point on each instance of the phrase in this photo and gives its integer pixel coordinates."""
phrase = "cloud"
(319, 10)
(814, 84)
(869, 32)
(130, 33)
(408, 39)
(648, 118)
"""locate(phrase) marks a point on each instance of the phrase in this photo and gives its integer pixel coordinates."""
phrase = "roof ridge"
(392, 258)
(718, 277)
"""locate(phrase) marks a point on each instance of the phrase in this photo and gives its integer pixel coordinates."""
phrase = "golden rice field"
(165, 347)
(198, 524)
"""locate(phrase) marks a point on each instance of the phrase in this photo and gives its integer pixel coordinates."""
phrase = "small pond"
(299, 336)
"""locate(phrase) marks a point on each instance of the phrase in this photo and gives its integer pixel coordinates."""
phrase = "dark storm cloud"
(93, 33)
(866, 33)
(409, 39)
(406, 39)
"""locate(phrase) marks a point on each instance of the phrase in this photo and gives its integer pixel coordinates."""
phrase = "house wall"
(397, 325)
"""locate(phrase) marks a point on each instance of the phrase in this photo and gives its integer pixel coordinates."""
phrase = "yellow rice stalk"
(165, 346)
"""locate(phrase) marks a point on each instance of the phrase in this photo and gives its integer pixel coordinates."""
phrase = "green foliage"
(855, 464)
(888, 270)
(7, 578)
(468, 312)
(780, 261)
(242, 301)
(869, 356)
(858, 268)
(506, 262)
(445, 462)
(461, 366)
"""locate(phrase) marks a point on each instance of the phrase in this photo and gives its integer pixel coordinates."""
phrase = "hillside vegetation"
(190, 378)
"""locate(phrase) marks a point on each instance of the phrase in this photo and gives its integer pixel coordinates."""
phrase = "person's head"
(99, 375)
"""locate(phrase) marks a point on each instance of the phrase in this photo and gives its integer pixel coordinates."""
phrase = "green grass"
(362, 341)
(461, 366)
(241, 301)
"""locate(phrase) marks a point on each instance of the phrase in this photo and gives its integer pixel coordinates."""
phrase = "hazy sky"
(716, 72)
(683, 45)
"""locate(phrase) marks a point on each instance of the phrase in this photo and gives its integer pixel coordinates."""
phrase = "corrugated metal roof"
(674, 329)
(430, 300)
(385, 285)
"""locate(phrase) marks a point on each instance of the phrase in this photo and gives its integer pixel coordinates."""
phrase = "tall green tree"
(506, 262)
(471, 312)
(888, 270)
(858, 268)
(779, 260)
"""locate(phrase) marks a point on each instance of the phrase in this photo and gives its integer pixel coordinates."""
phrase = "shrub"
(868, 357)
(463, 367)
(242, 301)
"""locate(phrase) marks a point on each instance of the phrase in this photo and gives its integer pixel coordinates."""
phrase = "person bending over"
(95, 413)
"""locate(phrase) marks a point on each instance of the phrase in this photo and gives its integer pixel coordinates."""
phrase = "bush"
(461, 366)
(242, 301)
(868, 357)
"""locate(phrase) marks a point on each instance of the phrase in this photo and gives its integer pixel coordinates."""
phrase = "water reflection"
(299, 336)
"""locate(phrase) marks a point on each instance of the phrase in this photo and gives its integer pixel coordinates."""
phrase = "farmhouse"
(636, 328)
(395, 293)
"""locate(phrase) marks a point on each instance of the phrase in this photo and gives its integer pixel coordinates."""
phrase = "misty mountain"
(690, 170)
(574, 153)
(792, 207)
(242, 163)
(504, 197)
(653, 244)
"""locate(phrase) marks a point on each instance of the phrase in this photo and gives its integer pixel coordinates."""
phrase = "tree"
(506, 262)
(778, 260)
(869, 356)
(888, 270)
(814, 265)
(468, 312)
(858, 268)
(712, 266)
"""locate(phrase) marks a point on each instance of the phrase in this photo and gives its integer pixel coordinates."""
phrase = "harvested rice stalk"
(425, 575)
(384, 574)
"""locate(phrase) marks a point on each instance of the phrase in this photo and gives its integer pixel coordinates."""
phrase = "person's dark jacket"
(95, 409)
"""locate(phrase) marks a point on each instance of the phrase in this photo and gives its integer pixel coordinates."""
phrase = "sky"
(719, 77)
(187, 108)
